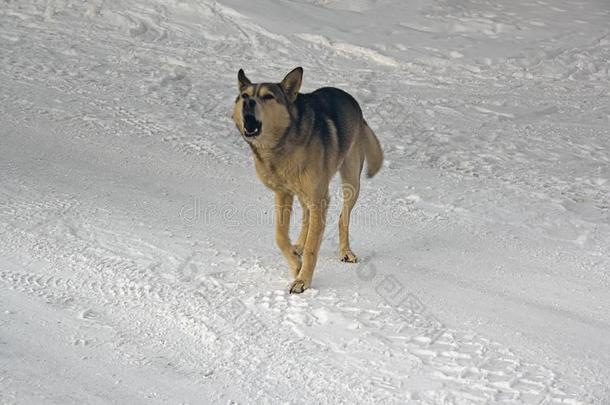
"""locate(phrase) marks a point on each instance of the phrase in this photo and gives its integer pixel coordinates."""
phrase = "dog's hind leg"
(299, 245)
(283, 209)
(350, 179)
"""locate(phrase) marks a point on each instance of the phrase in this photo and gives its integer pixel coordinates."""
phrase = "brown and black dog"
(299, 141)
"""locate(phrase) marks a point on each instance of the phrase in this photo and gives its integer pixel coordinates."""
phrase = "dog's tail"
(372, 151)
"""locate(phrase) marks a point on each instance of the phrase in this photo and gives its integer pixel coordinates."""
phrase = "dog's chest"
(277, 177)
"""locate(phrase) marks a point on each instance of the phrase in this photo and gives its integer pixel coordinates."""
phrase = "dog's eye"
(244, 96)
(268, 96)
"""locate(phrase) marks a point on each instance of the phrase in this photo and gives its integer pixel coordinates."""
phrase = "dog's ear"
(292, 83)
(242, 80)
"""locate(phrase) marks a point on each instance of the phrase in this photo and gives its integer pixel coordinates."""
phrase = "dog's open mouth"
(252, 127)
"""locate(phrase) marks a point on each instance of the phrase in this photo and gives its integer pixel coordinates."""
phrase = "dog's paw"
(348, 256)
(298, 286)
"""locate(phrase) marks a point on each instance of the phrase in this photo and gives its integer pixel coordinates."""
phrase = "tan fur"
(299, 161)
(372, 151)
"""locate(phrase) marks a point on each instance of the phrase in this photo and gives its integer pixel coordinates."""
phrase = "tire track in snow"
(140, 302)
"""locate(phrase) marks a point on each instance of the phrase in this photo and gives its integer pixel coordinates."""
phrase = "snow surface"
(137, 256)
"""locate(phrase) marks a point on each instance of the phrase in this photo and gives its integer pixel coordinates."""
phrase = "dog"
(299, 141)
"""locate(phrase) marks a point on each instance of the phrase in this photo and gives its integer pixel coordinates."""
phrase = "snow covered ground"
(137, 256)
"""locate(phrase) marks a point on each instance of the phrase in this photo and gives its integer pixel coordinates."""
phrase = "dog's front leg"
(317, 220)
(299, 245)
(283, 209)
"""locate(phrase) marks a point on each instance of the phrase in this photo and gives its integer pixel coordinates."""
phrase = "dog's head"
(262, 110)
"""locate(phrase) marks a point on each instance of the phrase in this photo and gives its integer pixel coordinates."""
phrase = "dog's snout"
(249, 106)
